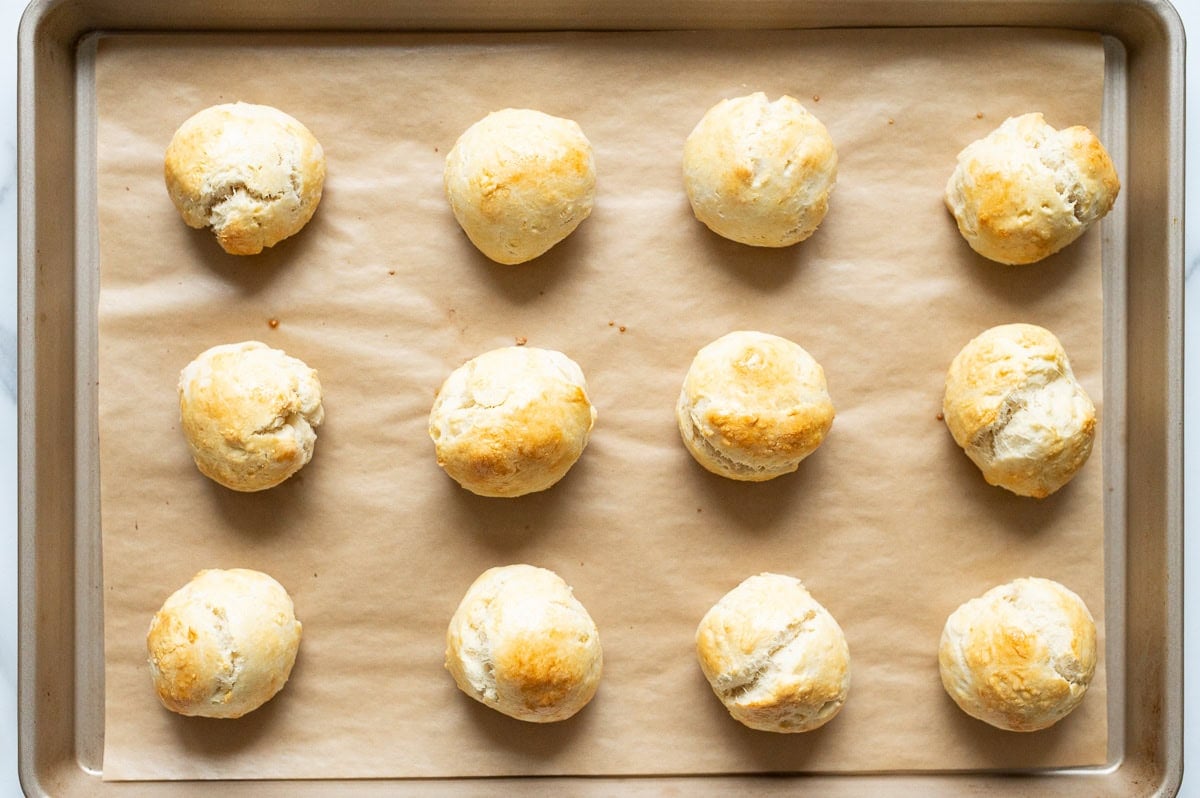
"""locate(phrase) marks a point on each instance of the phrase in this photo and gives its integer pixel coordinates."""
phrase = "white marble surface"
(10, 11)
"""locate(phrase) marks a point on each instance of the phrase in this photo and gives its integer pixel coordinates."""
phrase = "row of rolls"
(758, 172)
(1020, 657)
(753, 405)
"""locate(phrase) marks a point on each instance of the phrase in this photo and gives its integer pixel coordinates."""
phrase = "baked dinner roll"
(520, 181)
(251, 172)
(775, 657)
(250, 414)
(1021, 656)
(223, 644)
(760, 172)
(753, 405)
(1013, 405)
(511, 421)
(522, 644)
(1025, 190)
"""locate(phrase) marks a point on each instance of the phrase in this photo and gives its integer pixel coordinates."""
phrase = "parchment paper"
(889, 524)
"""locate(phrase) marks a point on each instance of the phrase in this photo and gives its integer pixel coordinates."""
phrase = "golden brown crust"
(774, 656)
(543, 668)
(1013, 404)
(224, 644)
(753, 406)
(760, 172)
(249, 414)
(521, 643)
(251, 172)
(1026, 190)
(511, 421)
(520, 181)
(1021, 656)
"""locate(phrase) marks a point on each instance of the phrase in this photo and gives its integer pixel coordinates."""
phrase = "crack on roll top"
(990, 438)
(700, 438)
(232, 661)
(786, 638)
(214, 203)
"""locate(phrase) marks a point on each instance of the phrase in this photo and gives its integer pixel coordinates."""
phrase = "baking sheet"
(889, 525)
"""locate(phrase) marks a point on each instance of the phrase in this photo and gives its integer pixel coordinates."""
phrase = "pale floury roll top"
(760, 172)
(775, 657)
(511, 421)
(1026, 190)
(1021, 656)
(223, 644)
(519, 181)
(522, 644)
(753, 406)
(249, 413)
(250, 172)
(1014, 406)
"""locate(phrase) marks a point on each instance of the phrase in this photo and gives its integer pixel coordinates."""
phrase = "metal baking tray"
(61, 641)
